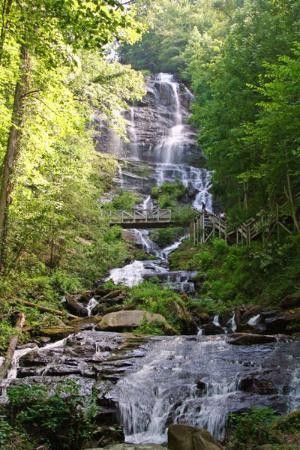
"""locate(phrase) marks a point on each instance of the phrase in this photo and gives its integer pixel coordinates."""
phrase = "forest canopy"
(241, 59)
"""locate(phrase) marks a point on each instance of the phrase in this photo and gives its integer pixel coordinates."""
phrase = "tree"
(43, 30)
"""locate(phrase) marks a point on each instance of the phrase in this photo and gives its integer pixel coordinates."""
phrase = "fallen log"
(112, 294)
(12, 346)
(46, 309)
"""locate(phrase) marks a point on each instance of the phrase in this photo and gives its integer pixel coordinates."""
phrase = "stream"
(148, 383)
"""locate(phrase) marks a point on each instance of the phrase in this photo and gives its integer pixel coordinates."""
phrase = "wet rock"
(201, 386)
(211, 329)
(56, 332)
(250, 339)
(107, 435)
(291, 301)
(257, 386)
(203, 317)
(130, 319)
(277, 324)
(74, 305)
(85, 323)
(132, 447)
(185, 437)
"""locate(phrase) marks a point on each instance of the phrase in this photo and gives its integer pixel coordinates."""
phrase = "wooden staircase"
(207, 226)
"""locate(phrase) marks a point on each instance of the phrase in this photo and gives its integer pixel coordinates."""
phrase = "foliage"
(168, 194)
(228, 271)
(170, 25)
(252, 428)
(259, 426)
(14, 439)
(155, 298)
(124, 200)
(150, 328)
(62, 418)
(166, 236)
(247, 108)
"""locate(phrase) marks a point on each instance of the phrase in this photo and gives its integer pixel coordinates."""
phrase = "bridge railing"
(141, 215)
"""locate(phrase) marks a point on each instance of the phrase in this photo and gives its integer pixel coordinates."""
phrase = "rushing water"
(199, 381)
(161, 138)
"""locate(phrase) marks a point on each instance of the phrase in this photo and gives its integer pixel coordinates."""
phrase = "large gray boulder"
(130, 319)
(185, 437)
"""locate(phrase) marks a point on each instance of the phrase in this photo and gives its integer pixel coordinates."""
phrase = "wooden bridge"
(208, 225)
(143, 218)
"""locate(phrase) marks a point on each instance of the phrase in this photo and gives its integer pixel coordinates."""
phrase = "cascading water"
(199, 381)
(161, 139)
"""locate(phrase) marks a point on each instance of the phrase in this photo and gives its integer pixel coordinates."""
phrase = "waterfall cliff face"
(161, 148)
(199, 381)
(161, 139)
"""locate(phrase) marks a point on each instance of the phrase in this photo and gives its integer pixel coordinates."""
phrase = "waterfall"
(197, 381)
(161, 139)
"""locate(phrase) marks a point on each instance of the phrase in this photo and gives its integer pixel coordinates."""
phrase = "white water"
(91, 306)
(197, 381)
(130, 275)
(172, 139)
(12, 373)
(254, 320)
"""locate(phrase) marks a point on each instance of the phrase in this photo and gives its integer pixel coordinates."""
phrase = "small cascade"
(294, 402)
(253, 321)
(216, 321)
(130, 275)
(91, 305)
(231, 324)
(12, 373)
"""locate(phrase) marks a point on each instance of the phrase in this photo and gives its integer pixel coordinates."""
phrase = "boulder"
(185, 437)
(291, 301)
(211, 328)
(203, 317)
(74, 305)
(286, 322)
(56, 332)
(259, 386)
(250, 339)
(129, 319)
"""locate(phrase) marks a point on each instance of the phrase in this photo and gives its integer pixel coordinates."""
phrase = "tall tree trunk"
(12, 150)
(12, 346)
(6, 8)
(289, 195)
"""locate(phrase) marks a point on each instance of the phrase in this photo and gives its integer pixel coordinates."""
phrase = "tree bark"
(6, 9)
(13, 148)
(289, 195)
(12, 346)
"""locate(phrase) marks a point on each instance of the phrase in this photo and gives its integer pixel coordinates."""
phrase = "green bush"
(155, 298)
(61, 418)
(228, 271)
(252, 428)
(166, 236)
(125, 200)
(14, 439)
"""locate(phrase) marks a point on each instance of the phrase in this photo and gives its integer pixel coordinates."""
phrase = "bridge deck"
(154, 218)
